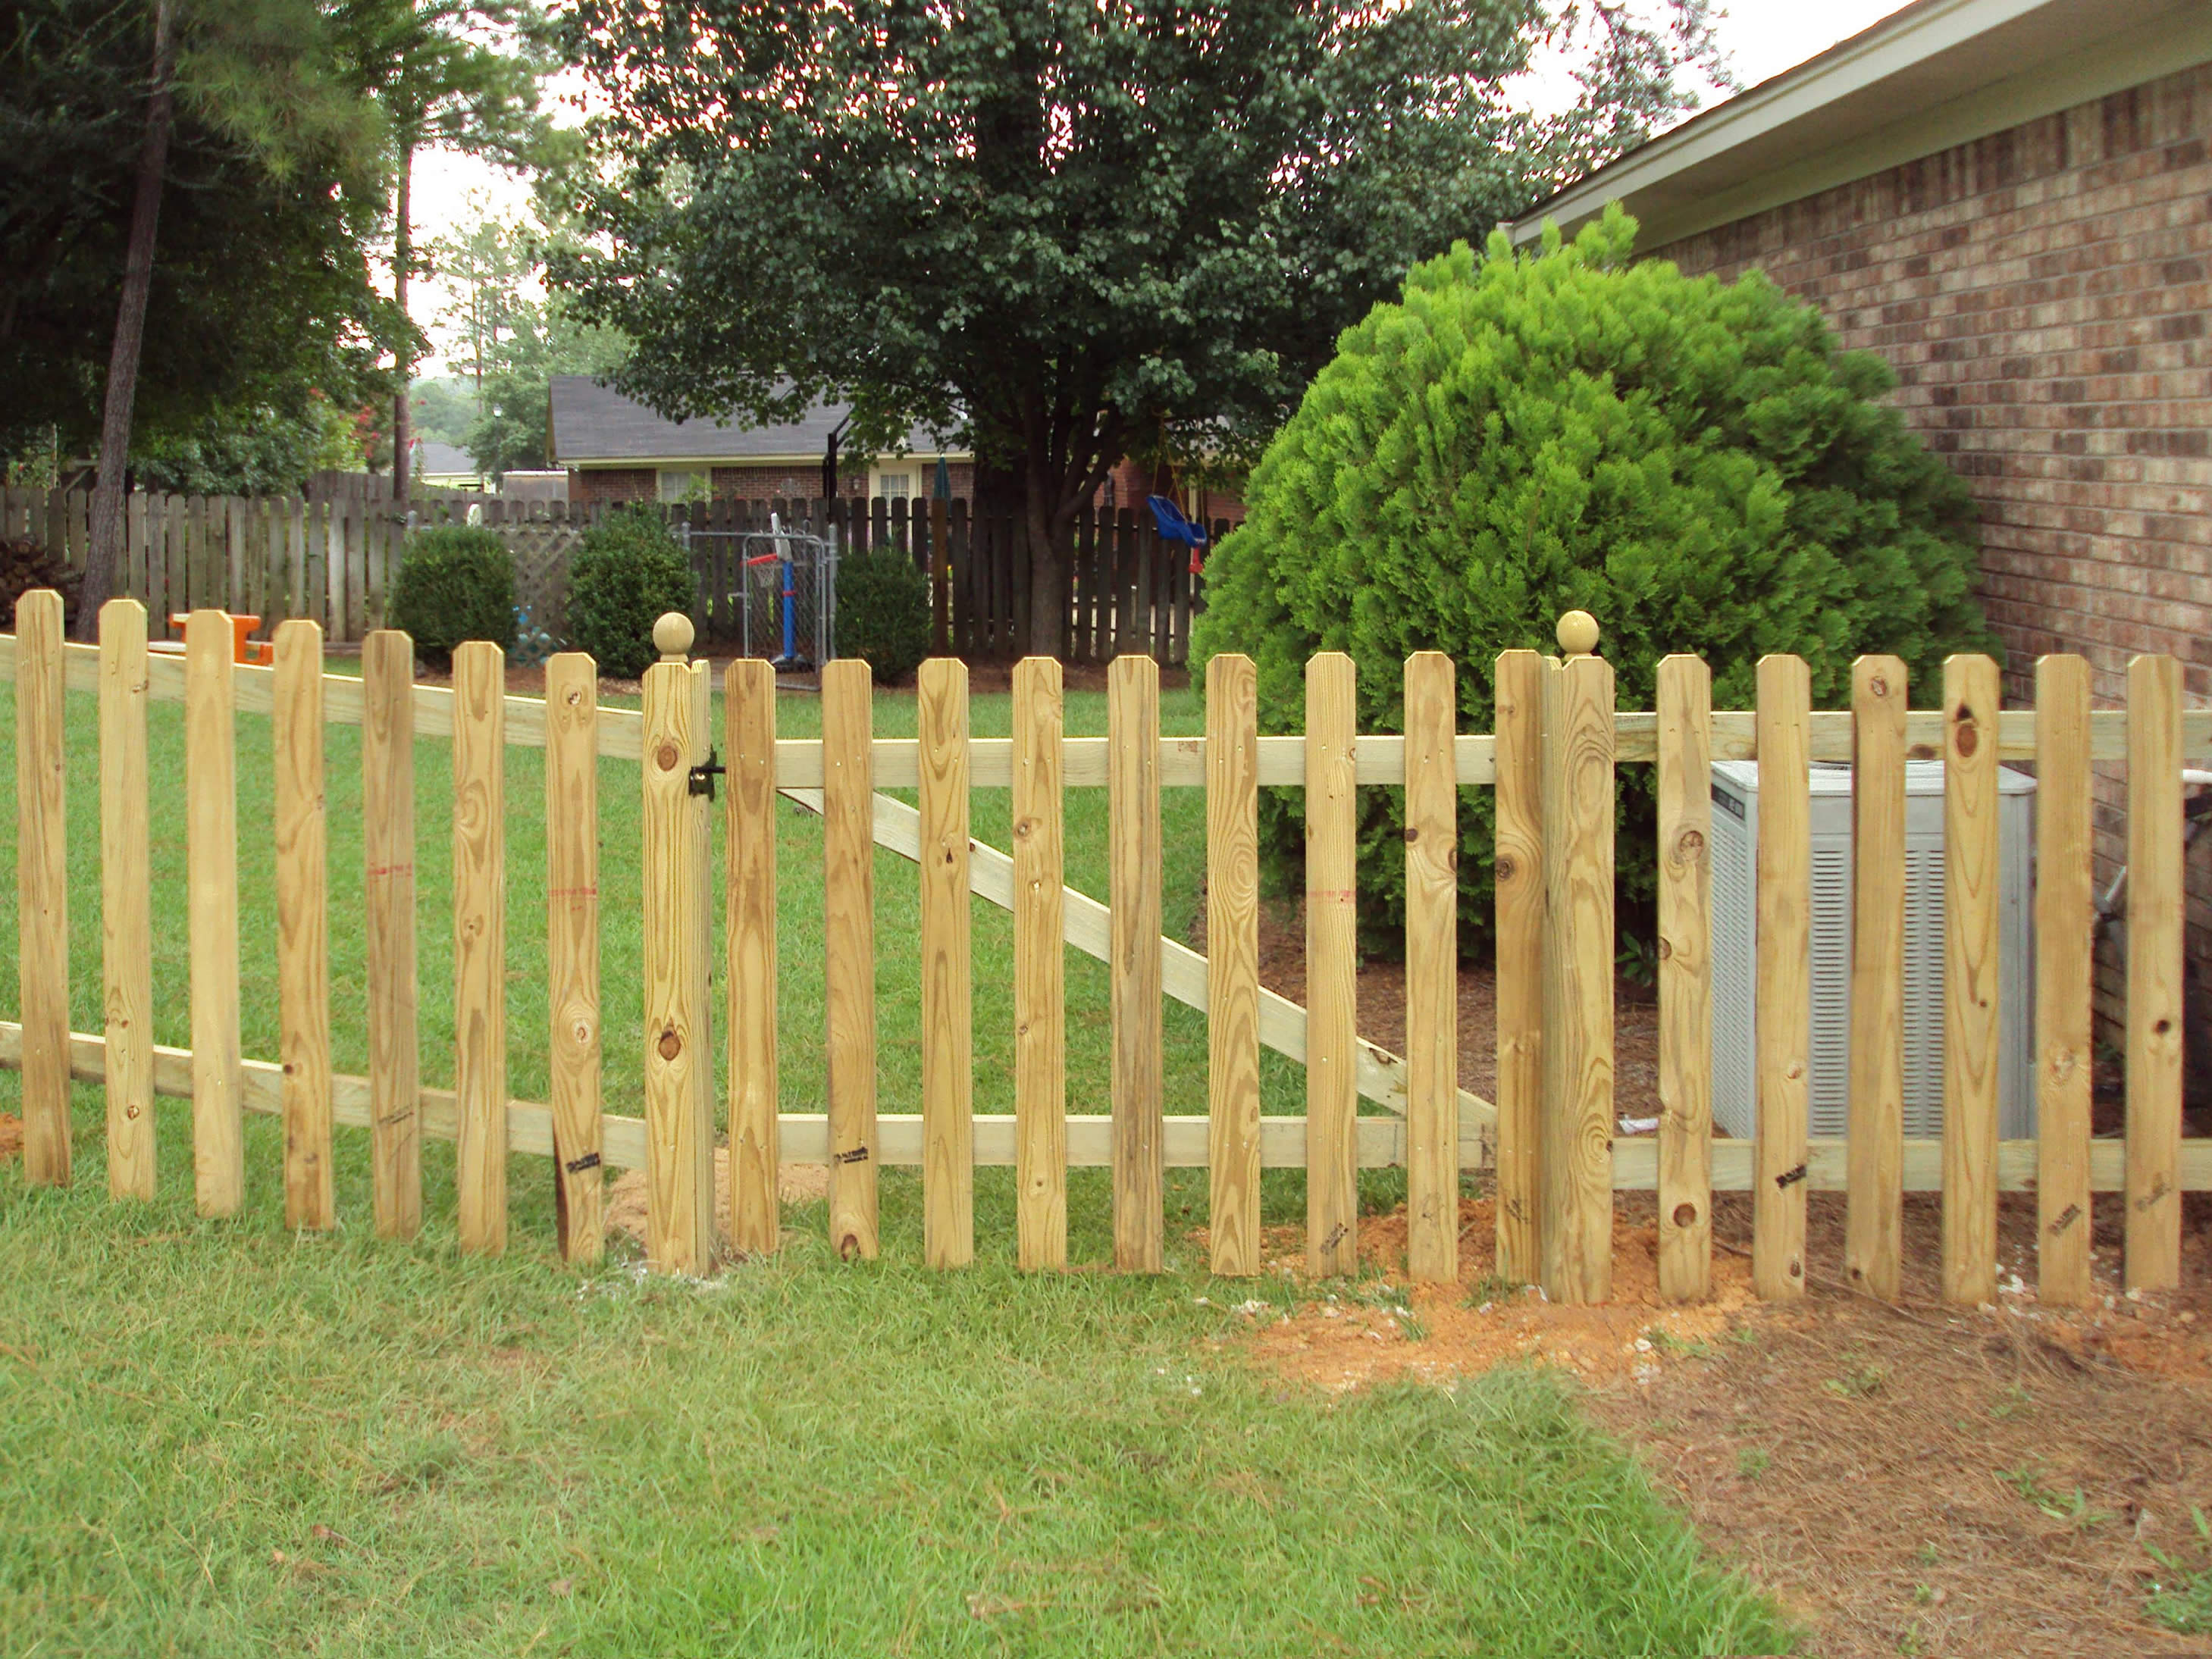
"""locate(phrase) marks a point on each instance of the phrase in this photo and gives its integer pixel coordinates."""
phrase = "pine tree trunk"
(403, 254)
(1048, 574)
(104, 556)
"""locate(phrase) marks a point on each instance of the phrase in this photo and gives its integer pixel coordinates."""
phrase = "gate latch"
(703, 776)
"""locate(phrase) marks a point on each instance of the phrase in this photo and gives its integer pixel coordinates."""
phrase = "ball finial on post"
(1578, 633)
(671, 636)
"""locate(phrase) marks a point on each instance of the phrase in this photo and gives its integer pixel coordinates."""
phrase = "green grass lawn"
(223, 1438)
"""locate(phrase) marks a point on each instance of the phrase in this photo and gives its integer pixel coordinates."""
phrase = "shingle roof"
(434, 460)
(595, 422)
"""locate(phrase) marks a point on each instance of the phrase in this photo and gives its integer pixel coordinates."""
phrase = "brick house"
(617, 450)
(2011, 201)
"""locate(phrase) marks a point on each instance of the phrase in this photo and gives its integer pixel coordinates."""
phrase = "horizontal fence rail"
(1549, 1140)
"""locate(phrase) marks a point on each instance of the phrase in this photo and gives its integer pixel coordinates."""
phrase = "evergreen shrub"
(456, 582)
(883, 613)
(1693, 462)
(628, 571)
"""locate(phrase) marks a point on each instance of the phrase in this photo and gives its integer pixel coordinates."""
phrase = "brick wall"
(2041, 293)
(754, 484)
(612, 483)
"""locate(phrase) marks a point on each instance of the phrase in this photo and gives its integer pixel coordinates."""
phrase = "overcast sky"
(1763, 38)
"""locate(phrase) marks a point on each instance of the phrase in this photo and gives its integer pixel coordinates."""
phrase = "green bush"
(627, 573)
(456, 582)
(1691, 461)
(883, 613)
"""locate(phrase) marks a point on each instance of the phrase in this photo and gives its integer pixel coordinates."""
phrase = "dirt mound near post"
(795, 1184)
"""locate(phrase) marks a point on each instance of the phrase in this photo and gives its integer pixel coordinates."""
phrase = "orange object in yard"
(259, 652)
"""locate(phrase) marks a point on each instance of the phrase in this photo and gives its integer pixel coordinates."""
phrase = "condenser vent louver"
(1734, 884)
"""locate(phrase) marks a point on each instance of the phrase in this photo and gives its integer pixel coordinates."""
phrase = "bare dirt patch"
(795, 1184)
(11, 1135)
(1919, 1479)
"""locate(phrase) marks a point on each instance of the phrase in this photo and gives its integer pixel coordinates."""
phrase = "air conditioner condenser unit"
(1734, 945)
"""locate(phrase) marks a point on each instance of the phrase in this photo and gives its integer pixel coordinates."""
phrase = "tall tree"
(149, 150)
(459, 75)
(1059, 227)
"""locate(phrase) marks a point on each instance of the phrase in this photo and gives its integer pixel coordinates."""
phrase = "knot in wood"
(1507, 869)
(665, 757)
(1692, 844)
(1412, 835)
(1666, 948)
(669, 1045)
(1686, 1215)
(1969, 736)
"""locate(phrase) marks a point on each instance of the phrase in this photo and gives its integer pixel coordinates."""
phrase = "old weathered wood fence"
(1551, 760)
(330, 561)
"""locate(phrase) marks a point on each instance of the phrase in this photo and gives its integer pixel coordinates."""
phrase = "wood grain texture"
(1232, 964)
(1519, 799)
(126, 921)
(1783, 975)
(1971, 1005)
(480, 945)
(211, 874)
(2065, 936)
(1132, 722)
(388, 810)
(748, 715)
(1332, 807)
(303, 939)
(848, 930)
(576, 1030)
(1685, 696)
(679, 1132)
(1577, 1135)
(948, 1104)
(1874, 1218)
(2155, 983)
(1432, 691)
(1040, 969)
(42, 886)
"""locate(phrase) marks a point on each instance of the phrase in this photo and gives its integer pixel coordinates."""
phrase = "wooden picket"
(1552, 759)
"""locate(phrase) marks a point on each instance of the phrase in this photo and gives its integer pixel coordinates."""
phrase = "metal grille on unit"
(1734, 917)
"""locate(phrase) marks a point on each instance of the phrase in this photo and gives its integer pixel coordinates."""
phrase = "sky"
(1762, 38)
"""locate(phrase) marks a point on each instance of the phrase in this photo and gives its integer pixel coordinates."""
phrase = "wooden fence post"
(126, 899)
(388, 812)
(303, 954)
(848, 934)
(749, 717)
(1519, 800)
(679, 1142)
(1578, 956)
(2154, 992)
(1132, 723)
(1332, 966)
(1232, 964)
(2065, 926)
(1783, 990)
(572, 951)
(1685, 967)
(211, 857)
(1875, 1150)
(948, 1107)
(1971, 1005)
(1040, 971)
(42, 886)
(1431, 692)
(480, 944)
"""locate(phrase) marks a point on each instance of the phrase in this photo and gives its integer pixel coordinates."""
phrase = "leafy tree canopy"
(273, 192)
(1059, 227)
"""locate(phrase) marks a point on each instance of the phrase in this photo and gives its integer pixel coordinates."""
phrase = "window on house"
(682, 484)
(895, 483)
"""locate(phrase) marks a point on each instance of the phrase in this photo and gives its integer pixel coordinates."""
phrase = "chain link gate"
(772, 593)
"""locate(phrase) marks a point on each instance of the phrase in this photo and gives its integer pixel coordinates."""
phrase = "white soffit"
(1937, 73)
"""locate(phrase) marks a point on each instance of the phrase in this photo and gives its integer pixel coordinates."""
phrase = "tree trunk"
(1047, 568)
(104, 557)
(403, 254)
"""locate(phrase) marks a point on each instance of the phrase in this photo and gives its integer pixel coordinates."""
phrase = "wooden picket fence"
(330, 559)
(1549, 1140)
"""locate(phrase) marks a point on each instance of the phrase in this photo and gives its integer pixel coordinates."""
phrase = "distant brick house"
(2011, 201)
(616, 449)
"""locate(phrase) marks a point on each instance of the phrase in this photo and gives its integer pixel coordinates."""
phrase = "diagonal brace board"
(1381, 1074)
